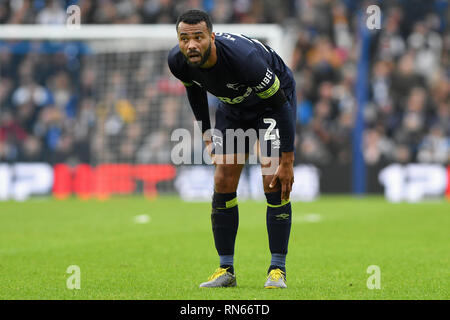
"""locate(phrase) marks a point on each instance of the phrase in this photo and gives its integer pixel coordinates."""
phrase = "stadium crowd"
(51, 108)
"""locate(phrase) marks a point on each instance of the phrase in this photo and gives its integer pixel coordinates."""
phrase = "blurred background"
(64, 104)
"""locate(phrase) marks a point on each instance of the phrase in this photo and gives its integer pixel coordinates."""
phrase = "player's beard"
(203, 60)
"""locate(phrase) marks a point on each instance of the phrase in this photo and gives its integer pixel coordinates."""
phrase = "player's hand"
(285, 175)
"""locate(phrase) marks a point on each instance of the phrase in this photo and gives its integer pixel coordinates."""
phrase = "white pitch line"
(308, 218)
(141, 219)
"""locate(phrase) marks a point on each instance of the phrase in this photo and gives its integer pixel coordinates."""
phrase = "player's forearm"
(286, 120)
(287, 158)
(199, 105)
(286, 125)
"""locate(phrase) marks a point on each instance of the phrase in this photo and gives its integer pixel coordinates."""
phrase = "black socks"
(225, 221)
(278, 220)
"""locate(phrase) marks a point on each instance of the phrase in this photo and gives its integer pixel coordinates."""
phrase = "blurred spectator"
(413, 123)
(12, 136)
(341, 135)
(159, 11)
(311, 150)
(222, 11)
(427, 45)
(31, 150)
(377, 147)
(391, 44)
(435, 147)
(404, 78)
(53, 13)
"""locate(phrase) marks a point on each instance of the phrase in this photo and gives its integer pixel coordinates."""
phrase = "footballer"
(256, 91)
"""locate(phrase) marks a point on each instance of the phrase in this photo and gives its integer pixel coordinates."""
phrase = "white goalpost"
(156, 36)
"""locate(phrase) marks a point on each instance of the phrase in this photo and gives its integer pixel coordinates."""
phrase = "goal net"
(100, 103)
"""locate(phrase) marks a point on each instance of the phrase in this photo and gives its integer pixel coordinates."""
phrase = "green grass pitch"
(333, 242)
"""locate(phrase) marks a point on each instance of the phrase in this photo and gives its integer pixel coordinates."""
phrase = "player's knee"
(267, 179)
(225, 182)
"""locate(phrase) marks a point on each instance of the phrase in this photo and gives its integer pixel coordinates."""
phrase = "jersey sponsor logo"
(265, 81)
(237, 99)
(235, 86)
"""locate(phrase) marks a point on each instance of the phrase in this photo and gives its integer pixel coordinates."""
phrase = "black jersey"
(246, 73)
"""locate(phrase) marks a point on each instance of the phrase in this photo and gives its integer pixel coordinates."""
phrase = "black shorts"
(234, 134)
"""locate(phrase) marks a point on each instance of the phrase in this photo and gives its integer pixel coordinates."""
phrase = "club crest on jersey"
(235, 86)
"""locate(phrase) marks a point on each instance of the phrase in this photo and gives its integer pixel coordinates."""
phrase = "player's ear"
(213, 36)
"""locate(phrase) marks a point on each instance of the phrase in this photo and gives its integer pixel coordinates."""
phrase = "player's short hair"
(194, 16)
